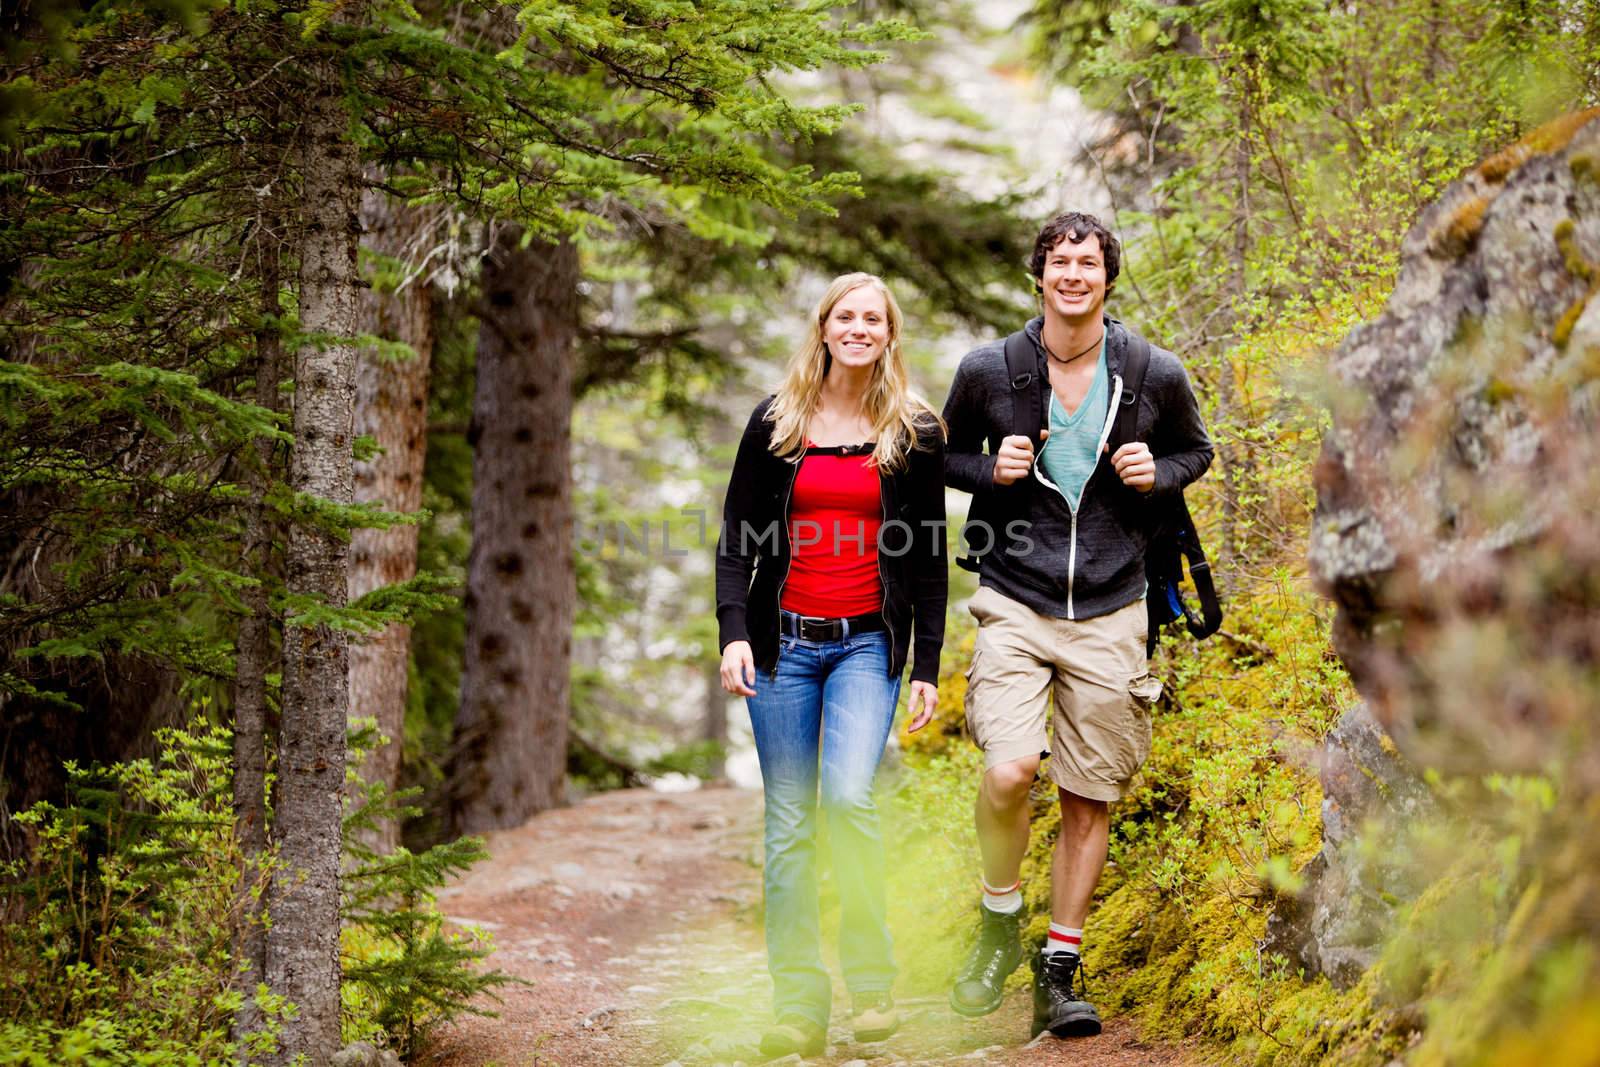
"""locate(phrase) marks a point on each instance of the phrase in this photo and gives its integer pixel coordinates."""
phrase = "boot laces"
(1066, 971)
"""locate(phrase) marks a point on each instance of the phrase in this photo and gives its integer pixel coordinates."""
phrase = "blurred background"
(589, 238)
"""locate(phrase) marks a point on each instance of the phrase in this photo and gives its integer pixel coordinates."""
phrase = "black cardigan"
(755, 541)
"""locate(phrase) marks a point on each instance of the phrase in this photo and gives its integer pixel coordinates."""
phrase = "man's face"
(1074, 279)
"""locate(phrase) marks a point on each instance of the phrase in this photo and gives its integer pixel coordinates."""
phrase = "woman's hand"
(739, 669)
(924, 698)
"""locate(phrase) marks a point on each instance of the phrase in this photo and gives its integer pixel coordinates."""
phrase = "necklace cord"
(1070, 359)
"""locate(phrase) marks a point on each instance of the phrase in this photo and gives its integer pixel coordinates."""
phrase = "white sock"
(1003, 901)
(1064, 939)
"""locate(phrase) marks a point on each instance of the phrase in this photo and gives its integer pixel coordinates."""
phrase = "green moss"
(1583, 168)
(1553, 136)
(1498, 391)
(1566, 235)
(1173, 937)
(1562, 333)
(1482, 945)
(1589, 368)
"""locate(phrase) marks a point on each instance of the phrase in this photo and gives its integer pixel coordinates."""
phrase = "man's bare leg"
(1079, 859)
(1080, 856)
(1002, 818)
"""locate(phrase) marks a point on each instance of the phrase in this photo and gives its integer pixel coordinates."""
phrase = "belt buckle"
(819, 621)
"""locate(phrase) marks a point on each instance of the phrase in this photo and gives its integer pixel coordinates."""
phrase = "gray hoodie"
(1057, 563)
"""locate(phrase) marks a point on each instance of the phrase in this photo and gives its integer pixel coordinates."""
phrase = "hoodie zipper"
(1072, 506)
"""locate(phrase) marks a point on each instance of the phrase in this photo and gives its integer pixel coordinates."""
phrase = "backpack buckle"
(1022, 381)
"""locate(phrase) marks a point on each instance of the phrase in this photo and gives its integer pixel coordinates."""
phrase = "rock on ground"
(1338, 921)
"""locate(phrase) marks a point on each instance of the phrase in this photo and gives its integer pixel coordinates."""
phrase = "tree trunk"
(1230, 456)
(510, 747)
(392, 407)
(254, 659)
(303, 943)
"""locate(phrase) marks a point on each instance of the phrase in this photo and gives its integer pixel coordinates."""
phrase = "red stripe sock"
(1064, 939)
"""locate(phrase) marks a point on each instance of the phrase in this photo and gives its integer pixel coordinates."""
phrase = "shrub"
(119, 926)
(116, 947)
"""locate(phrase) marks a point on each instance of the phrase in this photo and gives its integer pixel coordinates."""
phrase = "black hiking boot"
(980, 984)
(1058, 1004)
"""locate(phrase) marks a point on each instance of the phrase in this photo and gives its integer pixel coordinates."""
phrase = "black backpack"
(1174, 538)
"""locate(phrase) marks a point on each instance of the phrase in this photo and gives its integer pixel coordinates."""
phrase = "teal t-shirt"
(1070, 455)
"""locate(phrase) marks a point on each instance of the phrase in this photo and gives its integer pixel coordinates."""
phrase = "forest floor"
(634, 917)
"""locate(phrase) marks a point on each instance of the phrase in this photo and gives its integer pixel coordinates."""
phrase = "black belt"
(812, 628)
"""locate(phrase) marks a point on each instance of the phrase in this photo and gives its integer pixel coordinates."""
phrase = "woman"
(836, 506)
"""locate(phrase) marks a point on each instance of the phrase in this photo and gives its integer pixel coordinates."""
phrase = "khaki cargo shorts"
(1095, 669)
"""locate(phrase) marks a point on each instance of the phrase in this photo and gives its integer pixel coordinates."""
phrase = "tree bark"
(509, 755)
(254, 658)
(303, 942)
(392, 407)
(1231, 458)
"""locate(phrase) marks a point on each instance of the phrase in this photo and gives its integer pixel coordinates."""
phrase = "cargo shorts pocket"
(1143, 692)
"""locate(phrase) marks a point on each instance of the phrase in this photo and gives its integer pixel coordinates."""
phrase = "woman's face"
(857, 327)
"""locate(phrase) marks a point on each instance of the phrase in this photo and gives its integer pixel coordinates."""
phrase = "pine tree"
(303, 940)
(391, 409)
(511, 730)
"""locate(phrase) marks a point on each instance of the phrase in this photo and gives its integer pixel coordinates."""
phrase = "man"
(1060, 607)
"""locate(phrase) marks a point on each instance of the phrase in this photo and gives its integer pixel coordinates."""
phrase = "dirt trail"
(634, 914)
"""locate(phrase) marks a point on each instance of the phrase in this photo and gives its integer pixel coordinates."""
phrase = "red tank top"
(834, 516)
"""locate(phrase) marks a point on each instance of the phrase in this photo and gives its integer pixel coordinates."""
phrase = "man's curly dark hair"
(1076, 227)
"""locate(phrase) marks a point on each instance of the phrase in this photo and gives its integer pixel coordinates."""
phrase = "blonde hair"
(894, 409)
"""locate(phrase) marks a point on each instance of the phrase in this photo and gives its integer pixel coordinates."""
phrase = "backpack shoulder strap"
(1027, 392)
(1210, 618)
(1135, 361)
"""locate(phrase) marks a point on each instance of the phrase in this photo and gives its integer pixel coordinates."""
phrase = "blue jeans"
(836, 700)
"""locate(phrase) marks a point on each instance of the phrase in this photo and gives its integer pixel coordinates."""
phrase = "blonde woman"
(831, 566)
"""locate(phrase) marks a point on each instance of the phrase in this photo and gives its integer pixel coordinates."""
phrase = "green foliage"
(700, 759)
(1225, 813)
(118, 942)
(404, 970)
(154, 256)
(929, 835)
(1494, 962)
(963, 255)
